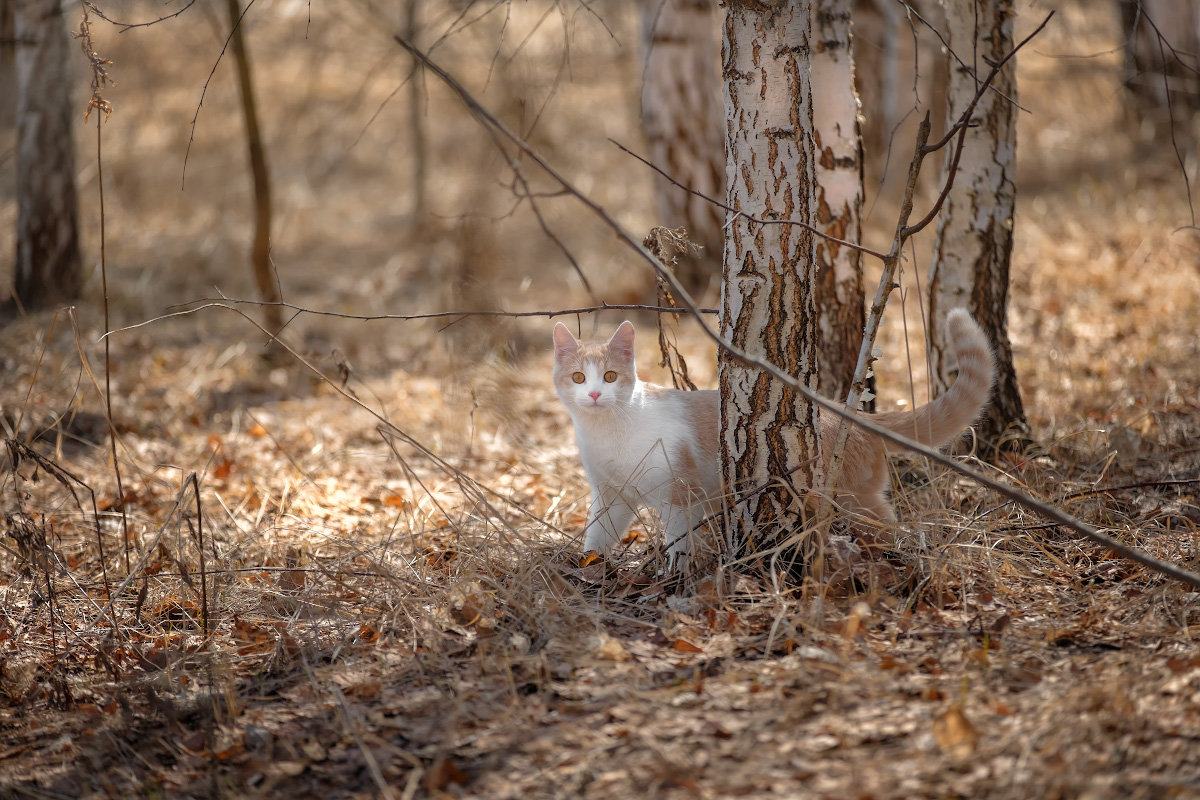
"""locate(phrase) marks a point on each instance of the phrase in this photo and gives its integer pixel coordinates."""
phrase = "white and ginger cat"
(648, 446)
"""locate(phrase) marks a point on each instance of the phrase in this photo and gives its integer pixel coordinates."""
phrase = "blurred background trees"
(47, 267)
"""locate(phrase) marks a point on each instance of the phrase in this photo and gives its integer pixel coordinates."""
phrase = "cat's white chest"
(633, 450)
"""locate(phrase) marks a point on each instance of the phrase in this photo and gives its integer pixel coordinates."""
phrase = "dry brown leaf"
(607, 648)
(684, 646)
(396, 501)
(954, 733)
(443, 773)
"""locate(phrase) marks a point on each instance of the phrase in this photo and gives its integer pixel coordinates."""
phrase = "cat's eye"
(610, 376)
(578, 377)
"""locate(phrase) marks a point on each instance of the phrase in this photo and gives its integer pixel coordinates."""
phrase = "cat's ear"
(622, 341)
(564, 343)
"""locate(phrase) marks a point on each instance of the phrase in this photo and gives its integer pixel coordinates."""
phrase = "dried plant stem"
(205, 617)
(887, 282)
(108, 412)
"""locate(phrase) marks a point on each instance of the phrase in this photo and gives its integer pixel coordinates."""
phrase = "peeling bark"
(768, 293)
(839, 197)
(975, 232)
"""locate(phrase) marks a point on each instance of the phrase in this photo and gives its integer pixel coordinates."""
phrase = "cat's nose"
(594, 395)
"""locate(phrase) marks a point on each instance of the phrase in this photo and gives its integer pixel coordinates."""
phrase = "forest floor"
(352, 569)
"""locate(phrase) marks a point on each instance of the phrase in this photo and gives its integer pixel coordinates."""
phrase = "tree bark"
(973, 248)
(1162, 70)
(260, 253)
(769, 445)
(48, 263)
(684, 124)
(839, 197)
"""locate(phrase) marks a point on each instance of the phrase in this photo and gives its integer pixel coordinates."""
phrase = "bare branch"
(816, 231)
(229, 304)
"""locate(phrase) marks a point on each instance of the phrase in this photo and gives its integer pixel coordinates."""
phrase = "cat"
(644, 445)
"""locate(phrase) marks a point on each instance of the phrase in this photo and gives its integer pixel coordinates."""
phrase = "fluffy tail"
(940, 420)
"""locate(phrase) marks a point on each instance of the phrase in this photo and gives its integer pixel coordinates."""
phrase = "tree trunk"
(769, 444)
(839, 196)
(684, 124)
(48, 265)
(975, 232)
(260, 253)
(1162, 70)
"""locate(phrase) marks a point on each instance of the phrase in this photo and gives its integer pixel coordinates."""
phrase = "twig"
(228, 303)
(127, 26)
(1124, 487)
(874, 317)
(757, 220)
(99, 78)
(196, 116)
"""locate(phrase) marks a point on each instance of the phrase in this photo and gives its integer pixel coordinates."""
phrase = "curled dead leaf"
(607, 648)
(441, 774)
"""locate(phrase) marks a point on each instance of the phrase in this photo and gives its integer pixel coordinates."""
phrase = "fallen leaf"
(609, 649)
(442, 774)
(954, 733)
(396, 501)
(684, 646)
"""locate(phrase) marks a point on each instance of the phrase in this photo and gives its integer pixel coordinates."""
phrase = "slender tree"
(684, 124)
(260, 253)
(48, 265)
(975, 232)
(769, 444)
(839, 196)
(1162, 52)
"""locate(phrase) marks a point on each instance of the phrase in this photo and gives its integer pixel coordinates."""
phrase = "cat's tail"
(939, 421)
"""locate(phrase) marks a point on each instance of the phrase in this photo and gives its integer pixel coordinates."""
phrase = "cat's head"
(594, 377)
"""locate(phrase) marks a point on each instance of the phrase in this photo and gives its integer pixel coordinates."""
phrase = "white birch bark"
(975, 231)
(768, 303)
(683, 118)
(839, 196)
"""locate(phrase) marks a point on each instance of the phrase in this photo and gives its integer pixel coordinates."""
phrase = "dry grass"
(386, 566)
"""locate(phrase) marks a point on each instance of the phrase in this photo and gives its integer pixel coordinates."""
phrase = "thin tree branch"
(128, 26)
(229, 303)
(860, 248)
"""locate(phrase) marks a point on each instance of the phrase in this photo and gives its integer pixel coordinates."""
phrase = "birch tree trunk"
(48, 267)
(839, 197)
(769, 446)
(683, 120)
(975, 232)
